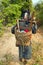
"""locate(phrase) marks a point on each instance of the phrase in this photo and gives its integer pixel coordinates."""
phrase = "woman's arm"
(13, 29)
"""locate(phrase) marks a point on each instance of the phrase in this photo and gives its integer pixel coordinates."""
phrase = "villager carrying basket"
(22, 38)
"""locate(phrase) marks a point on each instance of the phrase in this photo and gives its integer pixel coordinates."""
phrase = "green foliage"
(1, 63)
(5, 2)
(36, 64)
(39, 11)
(12, 11)
(1, 33)
(9, 11)
(18, 1)
(9, 57)
(1, 29)
(28, 5)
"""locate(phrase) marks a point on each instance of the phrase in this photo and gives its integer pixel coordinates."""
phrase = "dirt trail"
(7, 44)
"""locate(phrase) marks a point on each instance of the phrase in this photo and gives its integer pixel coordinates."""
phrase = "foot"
(20, 60)
(23, 59)
(25, 62)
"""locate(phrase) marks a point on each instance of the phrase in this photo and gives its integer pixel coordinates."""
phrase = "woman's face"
(26, 16)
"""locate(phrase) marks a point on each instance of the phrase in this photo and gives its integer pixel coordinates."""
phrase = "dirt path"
(7, 45)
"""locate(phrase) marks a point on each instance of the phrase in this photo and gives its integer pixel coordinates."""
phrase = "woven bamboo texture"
(23, 38)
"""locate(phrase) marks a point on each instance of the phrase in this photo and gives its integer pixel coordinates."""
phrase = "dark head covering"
(24, 11)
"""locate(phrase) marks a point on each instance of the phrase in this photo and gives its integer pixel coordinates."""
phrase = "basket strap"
(18, 25)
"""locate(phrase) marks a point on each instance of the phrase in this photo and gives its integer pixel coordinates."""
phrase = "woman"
(27, 53)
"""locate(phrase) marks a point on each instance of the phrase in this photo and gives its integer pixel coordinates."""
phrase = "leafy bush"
(39, 12)
(36, 64)
(1, 63)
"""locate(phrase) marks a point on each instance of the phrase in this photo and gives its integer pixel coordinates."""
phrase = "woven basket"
(23, 38)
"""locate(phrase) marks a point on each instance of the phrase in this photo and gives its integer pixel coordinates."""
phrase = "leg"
(20, 52)
(28, 52)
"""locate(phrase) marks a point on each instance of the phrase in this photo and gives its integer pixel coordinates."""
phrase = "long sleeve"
(13, 29)
(34, 28)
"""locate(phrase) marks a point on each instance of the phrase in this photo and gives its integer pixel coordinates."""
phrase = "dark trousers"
(25, 52)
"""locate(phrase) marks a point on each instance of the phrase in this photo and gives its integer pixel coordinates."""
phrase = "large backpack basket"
(23, 38)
